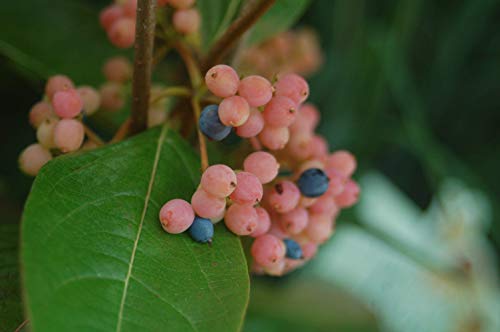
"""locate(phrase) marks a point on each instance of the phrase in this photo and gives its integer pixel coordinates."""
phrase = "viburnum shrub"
(284, 189)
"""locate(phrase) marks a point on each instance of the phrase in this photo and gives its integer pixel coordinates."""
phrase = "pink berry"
(112, 98)
(118, 69)
(318, 147)
(277, 230)
(186, 21)
(311, 163)
(45, 133)
(68, 135)
(176, 216)
(309, 250)
(248, 189)
(343, 161)
(306, 202)
(307, 119)
(320, 228)
(222, 81)
(337, 181)
(67, 103)
(280, 112)
(284, 196)
(267, 250)
(234, 111)
(292, 86)
(277, 269)
(57, 83)
(110, 15)
(122, 33)
(40, 112)
(241, 219)
(181, 4)
(33, 158)
(219, 180)
(263, 222)
(349, 196)
(299, 146)
(130, 8)
(263, 165)
(274, 138)
(324, 205)
(206, 205)
(295, 221)
(91, 99)
(256, 90)
(253, 126)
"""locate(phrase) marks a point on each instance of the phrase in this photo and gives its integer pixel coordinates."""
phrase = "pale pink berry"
(176, 216)
(318, 147)
(156, 116)
(268, 250)
(234, 111)
(112, 98)
(349, 196)
(299, 145)
(274, 138)
(277, 230)
(337, 181)
(118, 69)
(311, 163)
(277, 269)
(67, 103)
(69, 135)
(320, 228)
(343, 161)
(292, 264)
(295, 221)
(241, 219)
(256, 90)
(307, 119)
(324, 205)
(206, 205)
(91, 99)
(306, 202)
(130, 8)
(186, 21)
(222, 81)
(57, 83)
(253, 126)
(309, 250)
(263, 222)
(248, 189)
(284, 196)
(122, 33)
(263, 165)
(280, 112)
(40, 112)
(292, 86)
(45, 133)
(33, 158)
(181, 4)
(219, 180)
(110, 15)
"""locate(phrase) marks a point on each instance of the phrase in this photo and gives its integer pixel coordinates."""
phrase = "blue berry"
(210, 124)
(313, 182)
(293, 249)
(202, 230)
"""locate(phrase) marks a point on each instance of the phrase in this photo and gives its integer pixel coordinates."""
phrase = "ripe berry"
(110, 15)
(206, 205)
(349, 196)
(67, 103)
(313, 182)
(293, 249)
(122, 32)
(176, 216)
(118, 69)
(263, 222)
(234, 111)
(112, 98)
(295, 221)
(202, 230)
(219, 180)
(274, 138)
(292, 86)
(45, 133)
(253, 126)
(241, 219)
(248, 189)
(222, 81)
(280, 112)
(210, 124)
(284, 196)
(68, 135)
(181, 4)
(40, 112)
(57, 83)
(267, 250)
(33, 158)
(256, 90)
(91, 99)
(186, 21)
(343, 161)
(263, 165)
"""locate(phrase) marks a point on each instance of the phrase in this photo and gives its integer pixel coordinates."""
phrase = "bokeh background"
(413, 89)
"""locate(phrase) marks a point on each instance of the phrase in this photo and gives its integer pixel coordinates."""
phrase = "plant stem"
(173, 91)
(122, 132)
(192, 66)
(195, 103)
(250, 14)
(143, 58)
(92, 135)
(23, 324)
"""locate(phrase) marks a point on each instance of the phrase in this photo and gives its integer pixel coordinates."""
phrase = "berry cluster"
(118, 72)
(186, 19)
(287, 200)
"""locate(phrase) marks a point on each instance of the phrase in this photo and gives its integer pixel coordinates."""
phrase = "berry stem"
(92, 135)
(122, 132)
(250, 14)
(195, 103)
(192, 66)
(143, 60)
(173, 91)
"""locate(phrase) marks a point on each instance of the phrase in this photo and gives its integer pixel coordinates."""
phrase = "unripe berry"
(307, 119)
(222, 81)
(206, 205)
(248, 189)
(299, 145)
(349, 196)
(219, 180)
(318, 147)
(45, 133)
(112, 98)
(280, 112)
(40, 112)
(267, 250)
(91, 99)
(324, 205)
(67, 103)
(343, 161)
(202, 230)
(110, 15)
(181, 4)
(130, 8)
(295, 221)
(176, 216)
(284, 196)
(277, 269)
(241, 219)
(292, 86)
(186, 21)
(263, 165)
(274, 138)
(118, 69)
(337, 181)
(69, 135)
(253, 126)
(234, 111)
(309, 250)
(263, 222)
(57, 83)
(122, 33)
(256, 90)
(33, 158)
(320, 228)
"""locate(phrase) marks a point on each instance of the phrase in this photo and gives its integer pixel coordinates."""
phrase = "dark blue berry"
(293, 249)
(313, 182)
(202, 230)
(210, 124)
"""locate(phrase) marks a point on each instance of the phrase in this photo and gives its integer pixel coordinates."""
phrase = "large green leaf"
(216, 17)
(282, 15)
(60, 36)
(95, 257)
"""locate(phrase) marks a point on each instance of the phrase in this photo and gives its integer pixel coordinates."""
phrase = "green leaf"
(95, 256)
(282, 15)
(215, 17)
(65, 38)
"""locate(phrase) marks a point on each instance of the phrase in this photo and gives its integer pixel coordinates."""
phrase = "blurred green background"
(412, 88)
